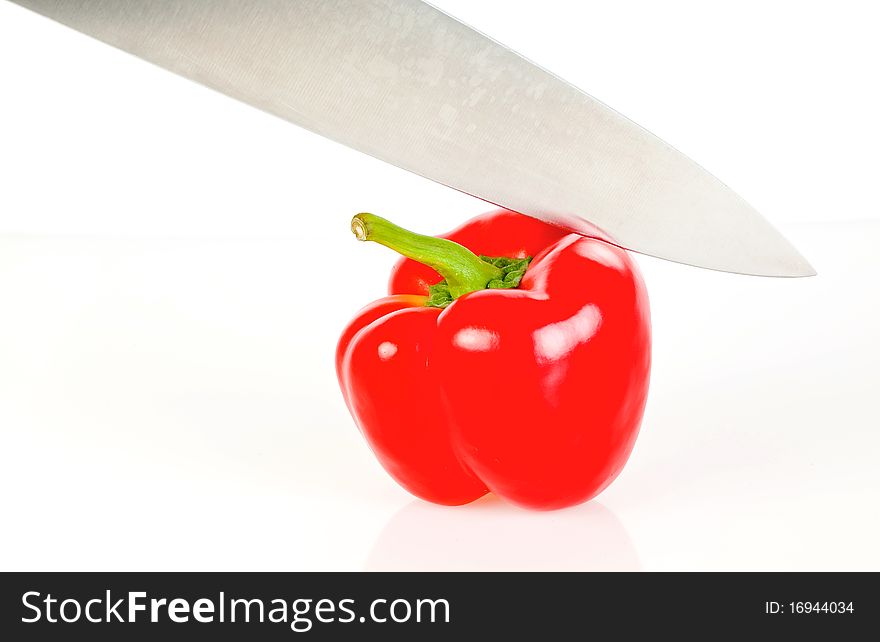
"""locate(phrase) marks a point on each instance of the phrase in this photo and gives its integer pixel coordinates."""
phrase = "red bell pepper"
(530, 385)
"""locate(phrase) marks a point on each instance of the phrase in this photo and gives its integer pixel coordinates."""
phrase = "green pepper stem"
(463, 270)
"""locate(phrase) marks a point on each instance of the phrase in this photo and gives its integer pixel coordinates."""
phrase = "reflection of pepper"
(533, 388)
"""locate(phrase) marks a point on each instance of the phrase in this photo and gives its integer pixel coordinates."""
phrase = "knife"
(409, 84)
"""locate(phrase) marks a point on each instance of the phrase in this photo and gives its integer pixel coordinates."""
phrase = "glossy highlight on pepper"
(529, 385)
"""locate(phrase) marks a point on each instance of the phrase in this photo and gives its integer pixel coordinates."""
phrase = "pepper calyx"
(512, 271)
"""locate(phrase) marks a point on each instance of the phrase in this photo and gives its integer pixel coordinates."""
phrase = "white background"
(168, 315)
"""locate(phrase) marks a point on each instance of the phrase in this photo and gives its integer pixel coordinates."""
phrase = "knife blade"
(409, 84)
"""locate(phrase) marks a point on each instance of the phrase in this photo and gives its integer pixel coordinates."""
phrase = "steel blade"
(404, 82)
